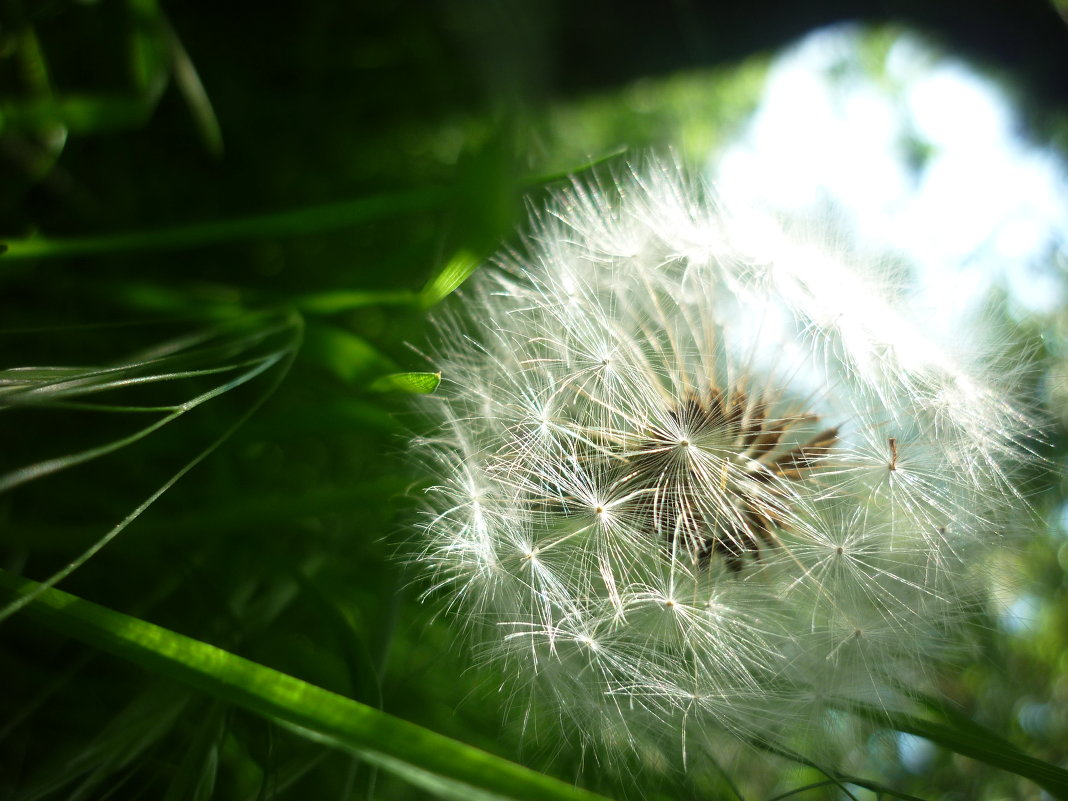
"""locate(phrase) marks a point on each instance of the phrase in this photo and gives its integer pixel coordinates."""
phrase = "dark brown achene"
(715, 479)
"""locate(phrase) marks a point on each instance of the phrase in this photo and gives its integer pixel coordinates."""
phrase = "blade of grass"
(578, 169)
(194, 780)
(442, 766)
(85, 114)
(340, 300)
(309, 219)
(85, 384)
(179, 358)
(149, 60)
(874, 787)
(349, 357)
(125, 738)
(414, 383)
(196, 97)
(284, 358)
(447, 280)
(36, 470)
(987, 747)
(88, 112)
(967, 738)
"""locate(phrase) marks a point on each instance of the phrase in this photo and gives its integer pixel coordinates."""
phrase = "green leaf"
(149, 60)
(349, 357)
(78, 113)
(196, 98)
(574, 170)
(414, 383)
(309, 219)
(195, 778)
(967, 738)
(437, 764)
(340, 300)
(252, 345)
(457, 270)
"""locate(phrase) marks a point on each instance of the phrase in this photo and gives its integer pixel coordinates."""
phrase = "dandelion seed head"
(699, 472)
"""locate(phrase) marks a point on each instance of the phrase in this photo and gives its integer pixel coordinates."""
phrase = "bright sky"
(985, 208)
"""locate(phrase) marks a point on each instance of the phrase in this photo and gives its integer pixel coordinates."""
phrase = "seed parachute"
(701, 475)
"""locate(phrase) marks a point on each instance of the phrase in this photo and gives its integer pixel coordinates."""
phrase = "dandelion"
(701, 473)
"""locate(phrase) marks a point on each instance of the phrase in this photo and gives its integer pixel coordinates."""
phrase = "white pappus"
(697, 471)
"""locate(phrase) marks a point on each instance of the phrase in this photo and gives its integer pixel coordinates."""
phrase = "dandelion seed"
(692, 482)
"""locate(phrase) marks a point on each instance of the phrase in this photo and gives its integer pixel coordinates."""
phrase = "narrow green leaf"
(834, 778)
(442, 766)
(342, 300)
(196, 97)
(310, 219)
(149, 61)
(32, 64)
(987, 747)
(349, 357)
(969, 739)
(414, 383)
(840, 782)
(76, 112)
(194, 780)
(457, 270)
(578, 169)
(174, 352)
(61, 384)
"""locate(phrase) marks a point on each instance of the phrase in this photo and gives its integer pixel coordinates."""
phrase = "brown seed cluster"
(716, 478)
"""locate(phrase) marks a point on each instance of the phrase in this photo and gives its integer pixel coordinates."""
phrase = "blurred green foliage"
(172, 171)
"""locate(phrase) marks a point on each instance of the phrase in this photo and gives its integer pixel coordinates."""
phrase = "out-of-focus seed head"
(698, 473)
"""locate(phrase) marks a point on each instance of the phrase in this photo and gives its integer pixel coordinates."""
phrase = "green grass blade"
(457, 270)
(413, 383)
(575, 169)
(149, 60)
(89, 113)
(834, 778)
(37, 470)
(196, 97)
(442, 766)
(967, 738)
(349, 357)
(291, 323)
(342, 300)
(77, 113)
(989, 748)
(310, 219)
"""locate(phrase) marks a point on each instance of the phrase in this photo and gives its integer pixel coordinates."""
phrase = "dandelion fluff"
(699, 473)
